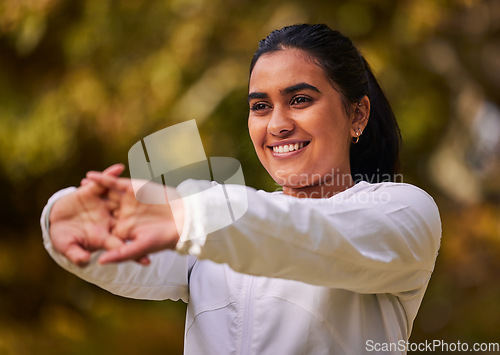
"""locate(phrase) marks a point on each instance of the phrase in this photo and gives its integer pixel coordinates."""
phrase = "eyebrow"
(257, 95)
(298, 87)
(286, 91)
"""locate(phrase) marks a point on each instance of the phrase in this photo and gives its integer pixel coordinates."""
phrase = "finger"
(77, 255)
(114, 170)
(97, 185)
(112, 224)
(98, 237)
(113, 242)
(115, 196)
(135, 250)
(123, 227)
(93, 187)
(108, 182)
(144, 260)
(113, 207)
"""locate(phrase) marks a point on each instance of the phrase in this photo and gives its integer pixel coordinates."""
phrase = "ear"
(360, 111)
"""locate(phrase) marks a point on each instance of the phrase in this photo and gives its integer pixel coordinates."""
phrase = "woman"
(333, 265)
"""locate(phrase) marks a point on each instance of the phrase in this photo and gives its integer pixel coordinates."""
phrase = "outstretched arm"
(380, 238)
(371, 238)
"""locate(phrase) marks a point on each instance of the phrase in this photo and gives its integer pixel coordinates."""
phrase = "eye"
(259, 106)
(301, 101)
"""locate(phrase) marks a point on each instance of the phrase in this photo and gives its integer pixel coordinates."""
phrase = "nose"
(280, 123)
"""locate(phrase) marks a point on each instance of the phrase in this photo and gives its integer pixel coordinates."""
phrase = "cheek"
(334, 131)
(257, 133)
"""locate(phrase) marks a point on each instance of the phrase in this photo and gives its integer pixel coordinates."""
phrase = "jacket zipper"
(247, 319)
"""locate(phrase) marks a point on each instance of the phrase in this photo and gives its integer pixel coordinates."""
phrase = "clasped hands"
(103, 214)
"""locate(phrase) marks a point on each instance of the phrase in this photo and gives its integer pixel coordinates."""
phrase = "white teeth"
(287, 148)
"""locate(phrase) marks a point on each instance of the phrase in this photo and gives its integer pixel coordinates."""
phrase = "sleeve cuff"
(44, 220)
(192, 237)
(208, 207)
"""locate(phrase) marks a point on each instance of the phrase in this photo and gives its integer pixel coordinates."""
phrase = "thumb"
(77, 255)
(112, 242)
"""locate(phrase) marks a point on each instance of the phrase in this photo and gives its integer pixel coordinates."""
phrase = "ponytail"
(375, 158)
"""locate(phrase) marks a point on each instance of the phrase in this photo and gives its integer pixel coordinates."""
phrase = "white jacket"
(330, 276)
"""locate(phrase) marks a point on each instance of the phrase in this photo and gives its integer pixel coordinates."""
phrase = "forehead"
(284, 68)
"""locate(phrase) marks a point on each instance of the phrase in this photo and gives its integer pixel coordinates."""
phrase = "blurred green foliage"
(82, 81)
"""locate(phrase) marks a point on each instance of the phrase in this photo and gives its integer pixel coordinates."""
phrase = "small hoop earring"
(355, 139)
(358, 133)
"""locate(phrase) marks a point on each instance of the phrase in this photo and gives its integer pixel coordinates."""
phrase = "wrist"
(56, 210)
(48, 212)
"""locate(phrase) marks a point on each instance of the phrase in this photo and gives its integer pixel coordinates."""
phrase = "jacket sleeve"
(372, 238)
(165, 278)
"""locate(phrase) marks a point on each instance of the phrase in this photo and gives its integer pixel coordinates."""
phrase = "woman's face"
(298, 125)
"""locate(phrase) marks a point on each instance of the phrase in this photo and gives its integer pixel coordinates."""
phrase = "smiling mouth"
(287, 148)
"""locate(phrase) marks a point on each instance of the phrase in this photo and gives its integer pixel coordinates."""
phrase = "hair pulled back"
(375, 157)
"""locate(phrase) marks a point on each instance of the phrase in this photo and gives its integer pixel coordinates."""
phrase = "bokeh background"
(82, 81)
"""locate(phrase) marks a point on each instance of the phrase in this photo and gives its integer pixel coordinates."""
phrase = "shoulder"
(396, 190)
(406, 198)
